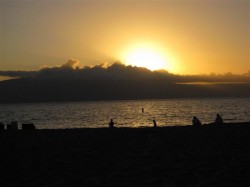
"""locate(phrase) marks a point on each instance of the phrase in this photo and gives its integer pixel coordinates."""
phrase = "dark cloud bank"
(116, 82)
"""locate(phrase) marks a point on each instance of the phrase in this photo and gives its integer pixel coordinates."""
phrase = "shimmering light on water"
(125, 113)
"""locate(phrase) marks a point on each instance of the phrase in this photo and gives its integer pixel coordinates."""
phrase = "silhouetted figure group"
(195, 121)
(14, 126)
(218, 121)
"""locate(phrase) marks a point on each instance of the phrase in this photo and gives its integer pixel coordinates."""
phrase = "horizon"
(181, 37)
(116, 82)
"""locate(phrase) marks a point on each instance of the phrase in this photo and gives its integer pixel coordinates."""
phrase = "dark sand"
(169, 156)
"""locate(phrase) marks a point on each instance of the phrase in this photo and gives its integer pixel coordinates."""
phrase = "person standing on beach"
(111, 123)
(155, 125)
(218, 120)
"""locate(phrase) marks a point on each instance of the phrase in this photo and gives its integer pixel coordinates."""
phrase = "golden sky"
(182, 36)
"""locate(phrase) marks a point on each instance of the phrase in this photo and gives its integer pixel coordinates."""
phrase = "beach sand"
(168, 156)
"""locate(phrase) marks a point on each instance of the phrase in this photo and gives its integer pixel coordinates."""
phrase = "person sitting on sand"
(155, 125)
(196, 121)
(111, 123)
(218, 120)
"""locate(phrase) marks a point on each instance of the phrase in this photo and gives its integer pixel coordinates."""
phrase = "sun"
(147, 56)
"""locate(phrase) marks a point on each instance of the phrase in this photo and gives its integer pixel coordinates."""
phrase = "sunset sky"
(181, 36)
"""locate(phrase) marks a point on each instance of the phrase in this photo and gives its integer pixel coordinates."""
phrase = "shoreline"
(207, 125)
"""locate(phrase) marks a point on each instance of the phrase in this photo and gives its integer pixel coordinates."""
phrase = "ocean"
(97, 114)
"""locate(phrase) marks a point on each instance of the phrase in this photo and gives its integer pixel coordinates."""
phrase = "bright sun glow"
(147, 56)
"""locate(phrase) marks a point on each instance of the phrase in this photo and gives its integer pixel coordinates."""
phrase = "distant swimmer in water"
(111, 123)
(218, 120)
(155, 125)
(196, 121)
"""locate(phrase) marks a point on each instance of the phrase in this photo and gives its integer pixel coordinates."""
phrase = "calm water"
(125, 113)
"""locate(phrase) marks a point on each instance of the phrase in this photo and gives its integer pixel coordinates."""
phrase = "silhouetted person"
(142, 110)
(111, 123)
(155, 125)
(12, 126)
(218, 120)
(196, 121)
(1, 126)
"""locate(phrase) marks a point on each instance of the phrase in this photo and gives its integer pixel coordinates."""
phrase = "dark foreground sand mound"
(171, 156)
